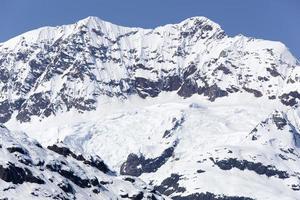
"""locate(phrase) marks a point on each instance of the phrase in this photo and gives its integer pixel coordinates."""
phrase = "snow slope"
(30, 171)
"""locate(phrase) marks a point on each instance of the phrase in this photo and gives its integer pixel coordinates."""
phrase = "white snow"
(120, 126)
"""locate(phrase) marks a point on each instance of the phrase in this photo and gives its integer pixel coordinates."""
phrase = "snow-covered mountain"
(191, 111)
(29, 171)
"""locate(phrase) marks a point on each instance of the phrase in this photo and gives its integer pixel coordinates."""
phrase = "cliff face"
(56, 69)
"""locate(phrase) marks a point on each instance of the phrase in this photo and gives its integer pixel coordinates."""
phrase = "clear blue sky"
(267, 19)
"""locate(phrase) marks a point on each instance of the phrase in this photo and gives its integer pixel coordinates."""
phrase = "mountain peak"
(199, 20)
(91, 21)
(55, 32)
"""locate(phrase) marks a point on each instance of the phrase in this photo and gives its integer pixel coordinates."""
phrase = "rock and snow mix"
(30, 171)
(190, 111)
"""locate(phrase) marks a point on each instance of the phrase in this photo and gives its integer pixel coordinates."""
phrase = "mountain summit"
(191, 111)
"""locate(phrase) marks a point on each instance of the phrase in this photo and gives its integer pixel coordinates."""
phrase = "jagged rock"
(92, 161)
(18, 175)
(5, 111)
(136, 165)
(212, 92)
(279, 121)
(147, 87)
(188, 88)
(255, 92)
(170, 185)
(18, 149)
(66, 187)
(290, 99)
(210, 196)
(259, 168)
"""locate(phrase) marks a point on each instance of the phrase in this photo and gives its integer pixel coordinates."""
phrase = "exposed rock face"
(59, 173)
(258, 168)
(210, 196)
(171, 186)
(290, 99)
(136, 165)
(17, 175)
(96, 161)
(50, 70)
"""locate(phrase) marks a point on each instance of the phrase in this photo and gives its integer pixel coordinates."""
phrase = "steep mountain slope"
(192, 112)
(29, 171)
(56, 69)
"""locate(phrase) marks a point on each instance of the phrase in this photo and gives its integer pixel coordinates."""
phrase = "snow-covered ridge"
(75, 66)
(51, 33)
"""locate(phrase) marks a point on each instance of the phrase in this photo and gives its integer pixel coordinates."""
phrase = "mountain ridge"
(96, 20)
(119, 61)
